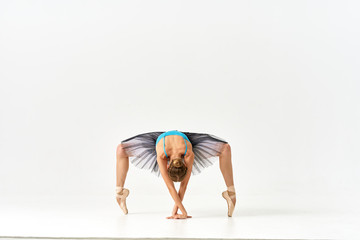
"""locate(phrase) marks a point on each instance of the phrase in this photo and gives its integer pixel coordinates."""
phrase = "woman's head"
(177, 169)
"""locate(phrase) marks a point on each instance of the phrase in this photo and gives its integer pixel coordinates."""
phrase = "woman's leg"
(122, 167)
(226, 165)
(227, 171)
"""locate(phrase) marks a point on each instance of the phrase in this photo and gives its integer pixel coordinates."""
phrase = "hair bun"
(177, 170)
(177, 163)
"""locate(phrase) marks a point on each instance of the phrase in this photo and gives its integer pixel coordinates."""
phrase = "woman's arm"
(170, 185)
(189, 160)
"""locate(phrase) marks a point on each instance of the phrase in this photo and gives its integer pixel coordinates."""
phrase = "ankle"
(231, 188)
(232, 195)
(118, 189)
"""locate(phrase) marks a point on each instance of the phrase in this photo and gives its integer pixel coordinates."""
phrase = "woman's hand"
(176, 215)
(179, 216)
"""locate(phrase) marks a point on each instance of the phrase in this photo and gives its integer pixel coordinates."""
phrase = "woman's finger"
(178, 216)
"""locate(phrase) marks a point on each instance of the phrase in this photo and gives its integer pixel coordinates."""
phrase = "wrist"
(184, 212)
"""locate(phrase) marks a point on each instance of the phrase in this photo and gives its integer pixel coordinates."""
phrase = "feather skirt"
(142, 152)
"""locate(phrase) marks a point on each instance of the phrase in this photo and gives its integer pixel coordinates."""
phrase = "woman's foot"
(230, 198)
(121, 199)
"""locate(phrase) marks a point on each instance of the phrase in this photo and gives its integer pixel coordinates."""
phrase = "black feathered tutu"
(142, 152)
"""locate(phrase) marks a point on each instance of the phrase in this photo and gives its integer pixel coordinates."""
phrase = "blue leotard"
(172, 132)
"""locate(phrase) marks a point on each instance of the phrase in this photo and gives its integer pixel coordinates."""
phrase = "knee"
(120, 151)
(226, 149)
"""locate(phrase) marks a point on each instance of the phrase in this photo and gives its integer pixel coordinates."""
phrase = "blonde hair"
(177, 169)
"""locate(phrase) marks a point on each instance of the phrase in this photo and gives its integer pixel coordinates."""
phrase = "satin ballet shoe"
(121, 199)
(230, 203)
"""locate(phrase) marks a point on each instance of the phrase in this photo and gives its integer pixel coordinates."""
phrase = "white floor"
(255, 217)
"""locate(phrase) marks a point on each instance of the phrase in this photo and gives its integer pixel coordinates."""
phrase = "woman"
(175, 155)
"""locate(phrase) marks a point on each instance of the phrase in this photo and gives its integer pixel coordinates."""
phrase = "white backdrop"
(279, 80)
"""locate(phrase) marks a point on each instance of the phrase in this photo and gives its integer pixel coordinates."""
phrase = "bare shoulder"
(160, 155)
(189, 157)
(159, 150)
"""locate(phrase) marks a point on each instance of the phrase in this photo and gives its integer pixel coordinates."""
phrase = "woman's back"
(174, 146)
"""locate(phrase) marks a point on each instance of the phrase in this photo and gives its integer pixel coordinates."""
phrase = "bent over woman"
(174, 155)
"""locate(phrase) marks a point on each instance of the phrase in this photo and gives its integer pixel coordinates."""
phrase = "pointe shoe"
(121, 199)
(230, 203)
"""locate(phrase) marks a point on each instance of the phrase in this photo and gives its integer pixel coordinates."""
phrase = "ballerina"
(185, 153)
